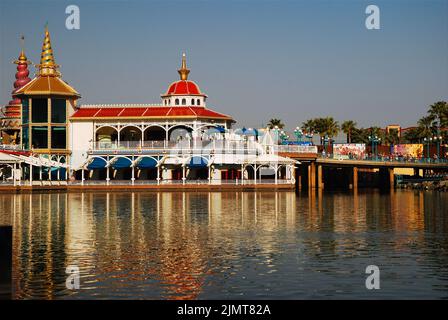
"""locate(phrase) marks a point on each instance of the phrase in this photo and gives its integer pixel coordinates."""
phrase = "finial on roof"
(47, 64)
(183, 71)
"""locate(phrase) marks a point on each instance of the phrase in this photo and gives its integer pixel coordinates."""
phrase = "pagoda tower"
(47, 103)
(10, 121)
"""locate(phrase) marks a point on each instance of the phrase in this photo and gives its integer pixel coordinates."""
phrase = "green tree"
(275, 123)
(426, 126)
(309, 126)
(348, 127)
(392, 137)
(439, 112)
(412, 135)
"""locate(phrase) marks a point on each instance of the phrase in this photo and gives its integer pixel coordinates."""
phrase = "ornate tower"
(47, 103)
(184, 92)
(10, 122)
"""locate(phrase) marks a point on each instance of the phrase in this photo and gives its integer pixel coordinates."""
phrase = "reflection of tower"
(47, 103)
(10, 122)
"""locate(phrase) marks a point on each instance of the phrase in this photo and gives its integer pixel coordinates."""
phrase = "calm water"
(242, 245)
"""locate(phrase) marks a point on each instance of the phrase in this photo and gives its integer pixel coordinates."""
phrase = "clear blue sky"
(256, 60)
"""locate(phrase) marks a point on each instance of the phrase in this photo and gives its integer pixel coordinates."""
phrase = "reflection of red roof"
(110, 112)
(183, 87)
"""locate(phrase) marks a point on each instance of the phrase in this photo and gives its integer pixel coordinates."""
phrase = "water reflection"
(199, 245)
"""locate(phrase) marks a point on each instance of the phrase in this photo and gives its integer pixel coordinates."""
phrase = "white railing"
(211, 145)
(295, 148)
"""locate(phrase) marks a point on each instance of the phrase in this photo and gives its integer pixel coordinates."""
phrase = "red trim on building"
(147, 112)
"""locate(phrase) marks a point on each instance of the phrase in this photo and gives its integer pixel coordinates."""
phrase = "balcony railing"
(212, 146)
(295, 149)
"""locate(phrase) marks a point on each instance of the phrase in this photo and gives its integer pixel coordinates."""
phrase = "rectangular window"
(58, 110)
(39, 112)
(39, 137)
(25, 111)
(25, 138)
(58, 135)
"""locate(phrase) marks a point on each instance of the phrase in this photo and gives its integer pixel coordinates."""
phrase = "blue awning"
(97, 163)
(121, 163)
(247, 132)
(197, 162)
(146, 163)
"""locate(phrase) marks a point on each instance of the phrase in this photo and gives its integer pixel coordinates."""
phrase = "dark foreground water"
(242, 245)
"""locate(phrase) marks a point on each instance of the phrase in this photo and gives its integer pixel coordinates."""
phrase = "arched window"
(192, 102)
(198, 102)
(177, 102)
(184, 102)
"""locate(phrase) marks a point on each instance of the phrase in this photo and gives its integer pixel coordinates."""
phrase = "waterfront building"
(47, 103)
(179, 139)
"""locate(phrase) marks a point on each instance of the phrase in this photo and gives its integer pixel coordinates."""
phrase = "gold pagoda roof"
(48, 80)
(47, 85)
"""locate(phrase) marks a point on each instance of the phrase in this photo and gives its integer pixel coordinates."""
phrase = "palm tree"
(331, 127)
(439, 111)
(348, 127)
(426, 125)
(392, 137)
(412, 135)
(309, 126)
(326, 127)
(275, 123)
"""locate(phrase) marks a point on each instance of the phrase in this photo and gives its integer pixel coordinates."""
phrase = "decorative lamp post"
(375, 141)
(439, 142)
(426, 140)
(298, 133)
(326, 140)
(283, 136)
(310, 135)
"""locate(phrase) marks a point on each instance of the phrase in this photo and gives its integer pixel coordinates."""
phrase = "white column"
(158, 175)
(183, 175)
(14, 174)
(107, 175)
(255, 174)
(276, 172)
(166, 136)
(133, 174)
(82, 176)
(59, 173)
(40, 174)
(242, 174)
(31, 174)
(21, 174)
(49, 173)
(209, 174)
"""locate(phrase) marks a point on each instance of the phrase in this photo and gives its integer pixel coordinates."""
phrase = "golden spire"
(47, 65)
(183, 71)
(22, 57)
